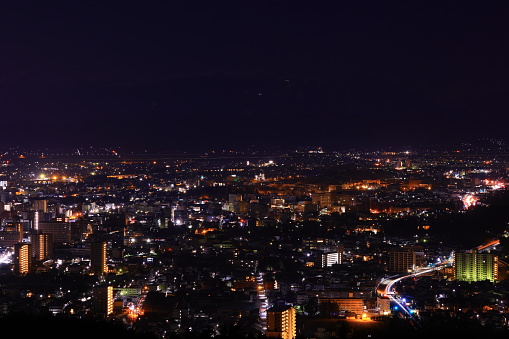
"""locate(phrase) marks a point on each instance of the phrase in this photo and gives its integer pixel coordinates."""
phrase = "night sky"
(152, 74)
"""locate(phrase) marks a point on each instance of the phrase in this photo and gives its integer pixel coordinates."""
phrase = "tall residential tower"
(281, 322)
(474, 266)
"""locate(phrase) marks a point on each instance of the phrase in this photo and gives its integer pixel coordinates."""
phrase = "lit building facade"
(22, 258)
(383, 305)
(475, 266)
(281, 322)
(103, 300)
(329, 259)
(98, 257)
(333, 306)
(42, 246)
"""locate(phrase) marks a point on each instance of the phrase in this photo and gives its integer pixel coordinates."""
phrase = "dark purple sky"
(152, 74)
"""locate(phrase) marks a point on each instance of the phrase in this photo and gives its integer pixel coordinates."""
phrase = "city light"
(169, 234)
(469, 201)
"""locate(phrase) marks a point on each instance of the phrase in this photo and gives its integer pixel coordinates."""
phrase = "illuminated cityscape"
(187, 170)
(203, 244)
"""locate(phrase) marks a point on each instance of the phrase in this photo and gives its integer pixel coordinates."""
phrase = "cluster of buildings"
(189, 244)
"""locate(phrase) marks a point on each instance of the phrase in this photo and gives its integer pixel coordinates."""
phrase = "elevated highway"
(385, 289)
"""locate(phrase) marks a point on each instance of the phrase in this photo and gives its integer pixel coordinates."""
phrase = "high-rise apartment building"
(103, 300)
(42, 246)
(402, 261)
(22, 258)
(474, 266)
(60, 230)
(281, 322)
(98, 257)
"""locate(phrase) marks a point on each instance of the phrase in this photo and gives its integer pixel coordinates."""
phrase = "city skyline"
(250, 170)
(273, 244)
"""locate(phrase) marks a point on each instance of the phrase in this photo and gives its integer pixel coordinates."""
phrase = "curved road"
(385, 288)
